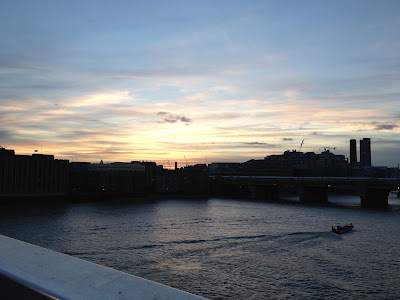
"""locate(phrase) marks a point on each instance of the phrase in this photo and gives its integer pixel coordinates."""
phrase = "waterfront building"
(303, 164)
(290, 163)
(36, 175)
(225, 168)
(275, 165)
(376, 172)
(112, 178)
(190, 180)
(150, 175)
(331, 165)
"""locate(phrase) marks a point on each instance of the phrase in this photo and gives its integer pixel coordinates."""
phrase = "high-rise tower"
(353, 151)
(365, 152)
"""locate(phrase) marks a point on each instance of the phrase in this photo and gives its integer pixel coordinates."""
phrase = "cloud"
(172, 118)
(260, 144)
(256, 143)
(236, 87)
(185, 120)
(393, 142)
(5, 134)
(385, 126)
(99, 99)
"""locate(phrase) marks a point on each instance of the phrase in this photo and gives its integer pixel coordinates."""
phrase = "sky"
(199, 81)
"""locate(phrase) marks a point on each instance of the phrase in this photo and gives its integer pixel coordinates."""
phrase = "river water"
(227, 248)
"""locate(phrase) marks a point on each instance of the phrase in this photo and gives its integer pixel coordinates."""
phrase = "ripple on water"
(228, 248)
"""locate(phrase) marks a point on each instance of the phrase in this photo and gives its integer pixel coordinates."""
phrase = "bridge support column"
(313, 194)
(374, 198)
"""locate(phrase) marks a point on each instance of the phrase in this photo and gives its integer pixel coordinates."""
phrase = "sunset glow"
(198, 82)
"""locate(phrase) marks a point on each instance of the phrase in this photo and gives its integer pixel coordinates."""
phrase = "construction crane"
(301, 145)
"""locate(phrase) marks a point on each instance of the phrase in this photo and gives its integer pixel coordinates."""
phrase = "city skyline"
(199, 82)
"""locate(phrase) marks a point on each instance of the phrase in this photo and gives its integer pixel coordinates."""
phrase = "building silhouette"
(36, 175)
(365, 152)
(107, 179)
(290, 163)
(353, 151)
(331, 165)
(190, 180)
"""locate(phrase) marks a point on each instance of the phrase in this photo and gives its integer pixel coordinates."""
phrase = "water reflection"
(226, 248)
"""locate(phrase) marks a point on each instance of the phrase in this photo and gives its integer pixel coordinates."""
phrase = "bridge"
(373, 192)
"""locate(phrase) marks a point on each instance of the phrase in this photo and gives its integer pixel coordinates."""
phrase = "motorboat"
(342, 229)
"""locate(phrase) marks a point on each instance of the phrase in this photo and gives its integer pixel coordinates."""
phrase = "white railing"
(65, 277)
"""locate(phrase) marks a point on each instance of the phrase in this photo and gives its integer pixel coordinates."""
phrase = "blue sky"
(206, 80)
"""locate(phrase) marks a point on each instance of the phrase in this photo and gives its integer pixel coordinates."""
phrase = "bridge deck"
(389, 183)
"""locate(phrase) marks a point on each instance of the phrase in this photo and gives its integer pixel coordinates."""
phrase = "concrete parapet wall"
(64, 277)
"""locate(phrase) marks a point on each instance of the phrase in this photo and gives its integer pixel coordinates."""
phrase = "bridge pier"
(313, 194)
(374, 198)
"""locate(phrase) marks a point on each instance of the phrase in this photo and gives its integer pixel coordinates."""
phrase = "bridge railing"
(46, 274)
